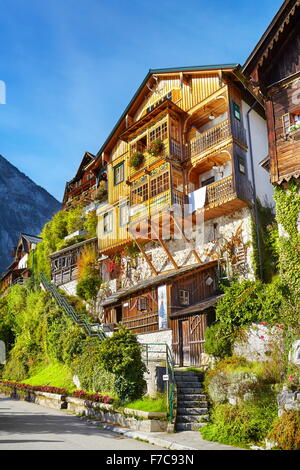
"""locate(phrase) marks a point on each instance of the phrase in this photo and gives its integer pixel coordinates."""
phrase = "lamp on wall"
(211, 116)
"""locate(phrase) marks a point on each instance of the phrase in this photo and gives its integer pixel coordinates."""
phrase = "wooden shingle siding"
(288, 150)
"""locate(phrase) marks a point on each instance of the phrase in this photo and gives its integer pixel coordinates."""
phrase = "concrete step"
(189, 426)
(196, 397)
(183, 376)
(184, 385)
(192, 403)
(192, 419)
(183, 411)
(188, 378)
(190, 390)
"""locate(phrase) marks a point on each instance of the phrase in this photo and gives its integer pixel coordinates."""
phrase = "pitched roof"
(162, 71)
(148, 283)
(31, 238)
(271, 35)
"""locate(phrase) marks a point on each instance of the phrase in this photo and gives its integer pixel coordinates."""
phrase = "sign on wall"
(162, 307)
(2, 352)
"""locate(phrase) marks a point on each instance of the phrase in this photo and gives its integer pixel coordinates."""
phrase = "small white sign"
(165, 377)
(2, 352)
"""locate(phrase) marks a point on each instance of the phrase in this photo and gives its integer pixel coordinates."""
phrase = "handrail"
(165, 351)
(67, 307)
(209, 138)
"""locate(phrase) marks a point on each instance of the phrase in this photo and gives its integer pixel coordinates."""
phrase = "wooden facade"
(183, 132)
(196, 116)
(190, 296)
(274, 70)
(18, 271)
(82, 189)
(64, 262)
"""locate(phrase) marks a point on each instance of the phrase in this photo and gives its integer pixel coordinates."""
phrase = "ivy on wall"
(288, 210)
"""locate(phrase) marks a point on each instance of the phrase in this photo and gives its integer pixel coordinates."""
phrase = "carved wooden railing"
(220, 190)
(210, 138)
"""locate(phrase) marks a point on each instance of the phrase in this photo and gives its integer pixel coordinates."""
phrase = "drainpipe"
(254, 190)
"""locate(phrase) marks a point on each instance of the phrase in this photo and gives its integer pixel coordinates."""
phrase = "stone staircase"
(192, 406)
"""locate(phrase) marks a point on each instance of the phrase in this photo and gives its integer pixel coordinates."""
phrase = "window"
(139, 194)
(119, 173)
(242, 166)
(237, 111)
(288, 120)
(208, 181)
(184, 297)
(159, 184)
(107, 222)
(124, 215)
(160, 132)
(142, 303)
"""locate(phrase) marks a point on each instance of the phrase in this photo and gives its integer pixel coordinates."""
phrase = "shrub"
(87, 287)
(242, 424)
(286, 431)
(121, 355)
(90, 371)
(217, 342)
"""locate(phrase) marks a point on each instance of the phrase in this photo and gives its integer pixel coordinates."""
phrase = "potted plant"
(101, 192)
(294, 130)
(136, 159)
(155, 147)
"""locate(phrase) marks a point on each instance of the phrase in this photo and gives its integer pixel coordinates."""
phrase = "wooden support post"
(164, 246)
(186, 239)
(151, 266)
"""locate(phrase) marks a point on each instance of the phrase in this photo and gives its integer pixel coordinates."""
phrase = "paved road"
(26, 426)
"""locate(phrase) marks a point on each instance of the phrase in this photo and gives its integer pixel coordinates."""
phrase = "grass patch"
(56, 375)
(156, 404)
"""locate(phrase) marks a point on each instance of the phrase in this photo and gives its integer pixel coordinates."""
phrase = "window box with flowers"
(136, 159)
(294, 131)
(155, 148)
(101, 194)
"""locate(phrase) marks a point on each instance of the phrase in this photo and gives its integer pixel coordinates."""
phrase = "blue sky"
(71, 67)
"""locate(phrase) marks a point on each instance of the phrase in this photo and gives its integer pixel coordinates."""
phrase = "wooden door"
(185, 345)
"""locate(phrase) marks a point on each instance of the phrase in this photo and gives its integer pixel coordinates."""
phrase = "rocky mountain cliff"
(24, 207)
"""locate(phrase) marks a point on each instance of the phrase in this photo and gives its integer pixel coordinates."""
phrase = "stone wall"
(69, 287)
(218, 235)
(288, 401)
(259, 342)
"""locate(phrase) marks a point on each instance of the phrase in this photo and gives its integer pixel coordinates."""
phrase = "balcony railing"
(157, 204)
(210, 138)
(220, 190)
(214, 193)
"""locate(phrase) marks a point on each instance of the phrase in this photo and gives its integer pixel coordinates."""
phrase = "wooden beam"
(164, 246)
(148, 260)
(185, 238)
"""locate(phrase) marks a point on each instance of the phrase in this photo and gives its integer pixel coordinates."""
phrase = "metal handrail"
(67, 307)
(165, 351)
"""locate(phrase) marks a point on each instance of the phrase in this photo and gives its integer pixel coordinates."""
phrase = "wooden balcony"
(221, 198)
(220, 191)
(209, 139)
(215, 138)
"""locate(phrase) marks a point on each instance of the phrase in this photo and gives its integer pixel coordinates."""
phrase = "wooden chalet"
(18, 271)
(83, 187)
(180, 146)
(64, 262)
(181, 301)
(273, 69)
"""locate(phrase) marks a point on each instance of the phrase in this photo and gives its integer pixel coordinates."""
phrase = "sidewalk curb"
(145, 437)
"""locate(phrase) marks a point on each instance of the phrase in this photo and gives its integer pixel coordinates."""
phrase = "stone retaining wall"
(288, 401)
(132, 419)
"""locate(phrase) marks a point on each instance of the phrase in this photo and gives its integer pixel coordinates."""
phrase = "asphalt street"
(26, 426)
